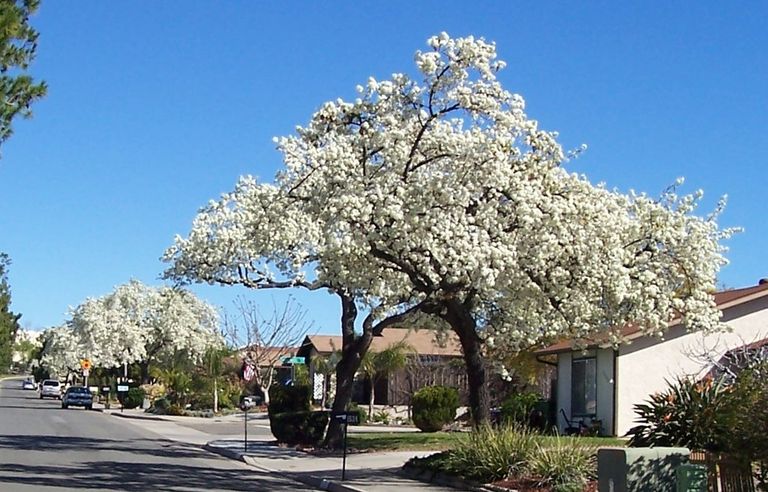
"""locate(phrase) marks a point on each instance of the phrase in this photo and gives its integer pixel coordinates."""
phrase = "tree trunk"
(215, 396)
(459, 316)
(264, 391)
(352, 352)
(144, 366)
(370, 401)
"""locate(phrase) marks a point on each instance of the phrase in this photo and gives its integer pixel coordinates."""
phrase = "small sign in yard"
(345, 418)
(122, 388)
(352, 418)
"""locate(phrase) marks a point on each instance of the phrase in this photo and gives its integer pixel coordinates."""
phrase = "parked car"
(77, 396)
(28, 384)
(50, 388)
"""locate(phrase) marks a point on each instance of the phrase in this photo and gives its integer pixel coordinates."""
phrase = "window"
(584, 387)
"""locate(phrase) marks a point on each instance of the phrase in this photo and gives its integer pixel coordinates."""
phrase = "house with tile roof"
(436, 360)
(601, 384)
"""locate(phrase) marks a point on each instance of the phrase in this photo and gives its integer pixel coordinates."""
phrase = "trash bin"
(691, 478)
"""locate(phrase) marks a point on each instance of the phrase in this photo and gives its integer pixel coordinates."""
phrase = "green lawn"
(438, 441)
(403, 441)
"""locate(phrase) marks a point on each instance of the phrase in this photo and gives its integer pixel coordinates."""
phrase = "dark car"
(77, 396)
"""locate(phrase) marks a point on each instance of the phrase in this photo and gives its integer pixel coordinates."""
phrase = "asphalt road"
(43, 447)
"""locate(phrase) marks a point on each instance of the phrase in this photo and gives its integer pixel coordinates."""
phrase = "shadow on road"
(169, 449)
(115, 475)
(31, 409)
(147, 466)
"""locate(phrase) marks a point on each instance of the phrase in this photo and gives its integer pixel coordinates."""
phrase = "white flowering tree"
(447, 185)
(438, 194)
(139, 324)
(60, 354)
(259, 237)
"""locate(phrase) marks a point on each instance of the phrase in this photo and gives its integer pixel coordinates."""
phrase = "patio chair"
(572, 428)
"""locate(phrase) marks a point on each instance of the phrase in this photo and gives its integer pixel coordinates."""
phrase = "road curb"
(312, 481)
(136, 417)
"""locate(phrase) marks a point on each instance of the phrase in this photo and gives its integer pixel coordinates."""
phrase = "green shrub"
(174, 409)
(382, 416)
(303, 427)
(693, 414)
(289, 399)
(517, 408)
(748, 440)
(489, 455)
(362, 415)
(134, 398)
(565, 466)
(434, 407)
(160, 406)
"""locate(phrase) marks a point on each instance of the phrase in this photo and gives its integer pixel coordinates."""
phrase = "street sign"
(85, 364)
(349, 418)
(122, 388)
(292, 360)
(86, 373)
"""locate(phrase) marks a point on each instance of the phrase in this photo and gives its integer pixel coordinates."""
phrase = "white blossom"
(137, 323)
(441, 187)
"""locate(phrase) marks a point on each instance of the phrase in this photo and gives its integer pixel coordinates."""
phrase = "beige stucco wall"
(644, 366)
(605, 387)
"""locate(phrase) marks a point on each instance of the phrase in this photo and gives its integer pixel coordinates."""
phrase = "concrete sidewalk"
(365, 472)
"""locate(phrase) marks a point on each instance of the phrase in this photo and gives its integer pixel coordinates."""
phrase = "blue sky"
(156, 107)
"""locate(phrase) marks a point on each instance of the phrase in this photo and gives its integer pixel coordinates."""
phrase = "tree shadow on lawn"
(115, 475)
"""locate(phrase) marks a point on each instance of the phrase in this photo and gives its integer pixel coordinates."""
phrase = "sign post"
(345, 418)
(122, 389)
(247, 402)
(105, 390)
(85, 365)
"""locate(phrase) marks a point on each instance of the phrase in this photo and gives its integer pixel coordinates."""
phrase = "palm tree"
(378, 365)
(214, 369)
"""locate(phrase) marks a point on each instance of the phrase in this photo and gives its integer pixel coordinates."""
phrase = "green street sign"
(293, 360)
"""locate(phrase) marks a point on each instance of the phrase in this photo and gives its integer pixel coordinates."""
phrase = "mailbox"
(248, 402)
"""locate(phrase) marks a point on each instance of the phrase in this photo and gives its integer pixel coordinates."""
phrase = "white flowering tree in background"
(141, 324)
(439, 194)
(60, 354)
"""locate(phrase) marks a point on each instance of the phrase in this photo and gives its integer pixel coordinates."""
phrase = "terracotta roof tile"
(423, 341)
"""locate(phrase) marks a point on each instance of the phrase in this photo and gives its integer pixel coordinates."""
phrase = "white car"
(50, 388)
(28, 384)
